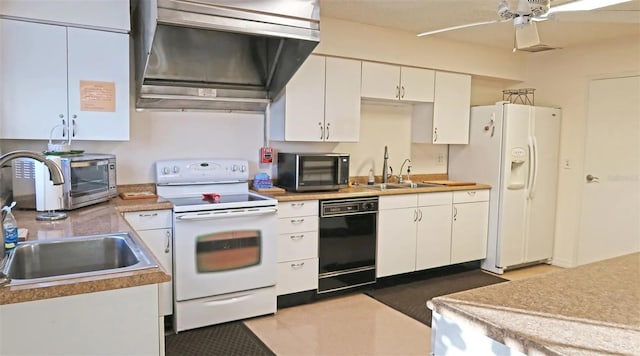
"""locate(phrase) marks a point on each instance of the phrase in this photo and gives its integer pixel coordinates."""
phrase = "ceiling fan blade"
(459, 27)
(612, 16)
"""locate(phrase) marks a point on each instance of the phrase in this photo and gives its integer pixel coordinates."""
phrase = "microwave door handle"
(338, 171)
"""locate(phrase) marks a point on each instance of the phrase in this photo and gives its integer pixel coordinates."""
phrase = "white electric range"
(225, 240)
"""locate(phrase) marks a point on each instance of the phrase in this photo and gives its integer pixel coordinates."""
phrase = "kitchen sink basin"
(386, 186)
(39, 261)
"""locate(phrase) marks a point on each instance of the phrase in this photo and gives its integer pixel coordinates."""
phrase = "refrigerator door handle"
(531, 168)
(536, 164)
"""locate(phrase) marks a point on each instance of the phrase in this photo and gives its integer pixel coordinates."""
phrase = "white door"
(515, 178)
(224, 251)
(98, 84)
(469, 232)
(541, 202)
(304, 111)
(396, 249)
(610, 221)
(451, 107)
(342, 100)
(416, 84)
(34, 79)
(380, 81)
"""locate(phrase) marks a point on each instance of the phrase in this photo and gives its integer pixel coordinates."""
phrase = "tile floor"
(353, 324)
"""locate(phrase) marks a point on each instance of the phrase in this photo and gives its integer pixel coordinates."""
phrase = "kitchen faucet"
(56, 177)
(408, 171)
(385, 165)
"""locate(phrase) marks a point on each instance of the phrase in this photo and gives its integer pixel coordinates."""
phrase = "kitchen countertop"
(106, 218)
(587, 310)
(96, 219)
(358, 191)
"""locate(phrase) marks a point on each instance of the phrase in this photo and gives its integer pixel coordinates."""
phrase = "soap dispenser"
(371, 179)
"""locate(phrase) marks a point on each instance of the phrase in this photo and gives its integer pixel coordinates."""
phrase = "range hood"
(222, 55)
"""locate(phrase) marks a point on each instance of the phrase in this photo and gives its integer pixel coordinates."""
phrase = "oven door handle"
(227, 214)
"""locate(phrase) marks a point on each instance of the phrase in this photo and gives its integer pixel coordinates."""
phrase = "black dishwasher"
(347, 243)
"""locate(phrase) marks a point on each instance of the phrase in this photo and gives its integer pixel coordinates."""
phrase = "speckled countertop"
(362, 191)
(592, 309)
(96, 219)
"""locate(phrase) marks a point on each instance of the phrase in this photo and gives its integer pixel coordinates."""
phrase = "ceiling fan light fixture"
(526, 35)
(585, 5)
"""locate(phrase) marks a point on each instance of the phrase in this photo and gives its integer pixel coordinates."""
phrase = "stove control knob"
(243, 168)
(166, 170)
(176, 169)
(234, 168)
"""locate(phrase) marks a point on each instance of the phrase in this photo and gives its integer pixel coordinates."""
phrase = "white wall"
(561, 78)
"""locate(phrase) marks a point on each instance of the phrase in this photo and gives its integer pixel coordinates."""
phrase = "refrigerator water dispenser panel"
(518, 172)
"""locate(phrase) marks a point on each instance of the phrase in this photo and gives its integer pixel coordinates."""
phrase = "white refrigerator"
(514, 148)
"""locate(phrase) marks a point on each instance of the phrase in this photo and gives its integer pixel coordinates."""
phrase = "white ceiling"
(417, 16)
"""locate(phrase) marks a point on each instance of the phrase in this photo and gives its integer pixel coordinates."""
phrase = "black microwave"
(307, 172)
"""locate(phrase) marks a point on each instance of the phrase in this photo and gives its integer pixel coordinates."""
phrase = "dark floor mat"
(227, 339)
(411, 298)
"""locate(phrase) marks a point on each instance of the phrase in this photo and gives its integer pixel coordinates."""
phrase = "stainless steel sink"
(386, 186)
(40, 261)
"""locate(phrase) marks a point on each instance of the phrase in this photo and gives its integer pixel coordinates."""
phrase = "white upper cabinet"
(446, 120)
(321, 103)
(110, 15)
(71, 79)
(392, 82)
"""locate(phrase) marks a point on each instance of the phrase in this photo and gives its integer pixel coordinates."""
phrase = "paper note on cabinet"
(97, 96)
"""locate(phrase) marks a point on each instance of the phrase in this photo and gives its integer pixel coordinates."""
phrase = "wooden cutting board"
(270, 191)
(137, 195)
(451, 183)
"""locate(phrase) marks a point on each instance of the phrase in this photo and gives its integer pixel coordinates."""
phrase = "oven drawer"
(150, 219)
(298, 208)
(297, 246)
(297, 276)
(297, 224)
(470, 196)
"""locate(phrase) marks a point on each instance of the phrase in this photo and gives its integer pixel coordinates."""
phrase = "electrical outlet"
(440, 159)
(566, 163)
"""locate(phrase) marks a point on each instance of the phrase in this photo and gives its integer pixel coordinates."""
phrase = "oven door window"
(225, 251)
(318, 171)
(89, 178)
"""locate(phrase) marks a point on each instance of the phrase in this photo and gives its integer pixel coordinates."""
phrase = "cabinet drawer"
(469, 196)
(398, 201)
(150, 219)
(298, 224)
(428, 199)
(297, 208)
(297, 246)
(297, 276)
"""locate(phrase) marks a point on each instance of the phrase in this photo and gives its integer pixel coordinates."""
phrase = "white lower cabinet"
(427, 230)
(297, 246)
(114, 322)
(414, 232)
(470, 225)
(155, 228)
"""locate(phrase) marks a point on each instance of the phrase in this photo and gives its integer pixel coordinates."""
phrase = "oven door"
(224, 251)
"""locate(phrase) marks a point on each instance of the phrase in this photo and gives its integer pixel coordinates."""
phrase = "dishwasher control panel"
(348, 206)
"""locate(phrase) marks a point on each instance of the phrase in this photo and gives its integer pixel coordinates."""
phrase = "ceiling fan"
(525, 16)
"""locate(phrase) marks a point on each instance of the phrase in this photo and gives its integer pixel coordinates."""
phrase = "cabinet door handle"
(296, 237)
(297, 221)
(64, 126)
(73, 125)
(455, 213)
(297, 205)
(167, 247)
(297, 265)
(398, 91)
(148, 215)
(472, 193)
(415, 215)
(327, 132)
(321, 130)
(435, 134)
(402, 92)
(420, 214)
